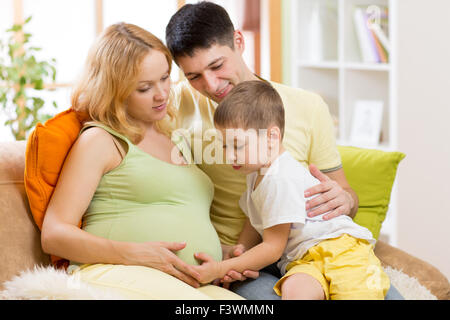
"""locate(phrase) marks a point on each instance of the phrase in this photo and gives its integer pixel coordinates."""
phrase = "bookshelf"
(326, 58)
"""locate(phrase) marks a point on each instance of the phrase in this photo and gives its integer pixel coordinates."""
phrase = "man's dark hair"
(198, 26)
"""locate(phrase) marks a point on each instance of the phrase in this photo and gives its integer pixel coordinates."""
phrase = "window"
(66, 29)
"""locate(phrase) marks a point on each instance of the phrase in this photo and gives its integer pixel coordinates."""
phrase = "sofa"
(20, 246)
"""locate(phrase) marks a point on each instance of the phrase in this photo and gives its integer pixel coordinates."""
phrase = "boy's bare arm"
(256, 258)
(249, 237)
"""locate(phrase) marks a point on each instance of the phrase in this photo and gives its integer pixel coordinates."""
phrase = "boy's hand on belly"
(208, 270)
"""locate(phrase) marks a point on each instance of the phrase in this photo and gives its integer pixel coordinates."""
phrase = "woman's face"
(148, 103)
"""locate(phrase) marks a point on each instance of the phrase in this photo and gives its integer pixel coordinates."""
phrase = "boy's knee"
(301, 286)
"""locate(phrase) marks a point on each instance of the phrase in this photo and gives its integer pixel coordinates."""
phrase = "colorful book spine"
(366, 48)
(379, 33)
(381, 53)
(372, 38)
(369, 33)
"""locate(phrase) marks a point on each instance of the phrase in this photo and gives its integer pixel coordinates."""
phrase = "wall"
(424, 130)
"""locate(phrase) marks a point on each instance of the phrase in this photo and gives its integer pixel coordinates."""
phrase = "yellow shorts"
(346, 267)
(144, 283)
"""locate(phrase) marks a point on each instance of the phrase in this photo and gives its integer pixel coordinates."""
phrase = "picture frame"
(366, 123)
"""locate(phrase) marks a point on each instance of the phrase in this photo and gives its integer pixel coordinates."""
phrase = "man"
(204, 44)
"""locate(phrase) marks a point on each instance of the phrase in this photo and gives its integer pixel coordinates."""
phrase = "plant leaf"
(18, 67)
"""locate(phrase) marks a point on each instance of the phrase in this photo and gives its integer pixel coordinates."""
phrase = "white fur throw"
(409, 287)
(47, 283)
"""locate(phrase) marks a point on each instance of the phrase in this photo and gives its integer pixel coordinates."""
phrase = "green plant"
(21, 70)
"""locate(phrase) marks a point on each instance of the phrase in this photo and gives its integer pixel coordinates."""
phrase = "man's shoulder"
(300, 100)
(296, 93)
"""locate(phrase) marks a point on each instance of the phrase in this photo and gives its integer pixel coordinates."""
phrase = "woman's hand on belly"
(161, 256)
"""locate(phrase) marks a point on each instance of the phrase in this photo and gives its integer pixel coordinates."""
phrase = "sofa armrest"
(20, 238)
(428, 275)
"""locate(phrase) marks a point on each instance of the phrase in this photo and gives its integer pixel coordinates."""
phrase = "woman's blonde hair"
(111, 75)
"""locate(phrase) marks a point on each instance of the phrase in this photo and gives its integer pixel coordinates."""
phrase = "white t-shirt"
(279, 198)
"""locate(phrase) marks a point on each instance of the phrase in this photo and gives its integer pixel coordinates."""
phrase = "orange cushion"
(47, 148)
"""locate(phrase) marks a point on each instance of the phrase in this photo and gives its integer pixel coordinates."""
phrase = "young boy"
(320, 259)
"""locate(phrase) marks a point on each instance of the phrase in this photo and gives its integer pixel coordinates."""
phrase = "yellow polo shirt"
(308, 136)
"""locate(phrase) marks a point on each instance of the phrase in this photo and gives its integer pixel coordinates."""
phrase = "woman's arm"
(88, 160)
(258, 257)
(93, 155)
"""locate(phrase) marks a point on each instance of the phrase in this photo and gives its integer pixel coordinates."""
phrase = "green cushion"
(371, 174)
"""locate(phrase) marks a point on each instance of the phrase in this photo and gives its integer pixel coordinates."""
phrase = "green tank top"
(148, 199)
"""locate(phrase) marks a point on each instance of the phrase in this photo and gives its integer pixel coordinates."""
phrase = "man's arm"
(336, 195)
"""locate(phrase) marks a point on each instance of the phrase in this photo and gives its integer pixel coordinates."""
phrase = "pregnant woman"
(145, 209)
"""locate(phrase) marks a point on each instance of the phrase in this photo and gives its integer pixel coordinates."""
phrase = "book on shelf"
(382, 54)
(371, 26)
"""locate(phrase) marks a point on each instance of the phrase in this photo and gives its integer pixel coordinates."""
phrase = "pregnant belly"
(160, 223)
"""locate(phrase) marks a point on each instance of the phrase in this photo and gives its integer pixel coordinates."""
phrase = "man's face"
(214, 71)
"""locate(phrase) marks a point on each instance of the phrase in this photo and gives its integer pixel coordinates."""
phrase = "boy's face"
(216, 70)
(246, 150)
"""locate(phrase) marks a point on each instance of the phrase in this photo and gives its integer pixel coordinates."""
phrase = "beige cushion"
(20, 245)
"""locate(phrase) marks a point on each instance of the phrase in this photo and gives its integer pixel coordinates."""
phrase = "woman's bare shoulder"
(96, 144)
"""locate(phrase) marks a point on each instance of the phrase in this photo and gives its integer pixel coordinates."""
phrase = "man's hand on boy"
(333, 198)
